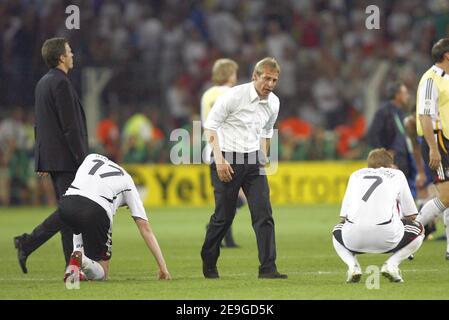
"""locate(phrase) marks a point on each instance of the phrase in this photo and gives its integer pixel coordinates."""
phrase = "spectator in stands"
(139, 41)
(12, 155)
(108, 134)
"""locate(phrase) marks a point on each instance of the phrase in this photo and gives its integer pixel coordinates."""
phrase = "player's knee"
(444, 198)
(443, 189)
(263, 221)
(228, 221)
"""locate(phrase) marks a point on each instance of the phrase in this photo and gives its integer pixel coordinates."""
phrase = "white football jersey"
(105, 182)
(377, 196)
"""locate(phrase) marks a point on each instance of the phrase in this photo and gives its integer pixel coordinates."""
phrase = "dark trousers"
(53, 223)
(255, 186)
(85, 216)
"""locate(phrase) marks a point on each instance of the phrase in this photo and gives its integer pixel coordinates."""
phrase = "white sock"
(402, 254)
(446, 225)
(430, 211)
(92, 269)
(78, 244)
(347, 256)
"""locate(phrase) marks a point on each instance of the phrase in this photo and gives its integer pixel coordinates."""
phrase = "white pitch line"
(224, 274)
(29, 279)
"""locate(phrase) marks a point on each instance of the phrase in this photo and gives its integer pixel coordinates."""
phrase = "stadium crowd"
(161, 53)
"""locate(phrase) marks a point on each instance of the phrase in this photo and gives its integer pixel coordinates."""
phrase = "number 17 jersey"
(105, 182)
(377, 197)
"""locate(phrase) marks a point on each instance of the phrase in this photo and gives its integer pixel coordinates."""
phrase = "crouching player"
(377, 216)
(88, 207)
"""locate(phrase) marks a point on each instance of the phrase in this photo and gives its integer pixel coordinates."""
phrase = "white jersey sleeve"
(406, 201)
(428, 98)
(346, 199)
(133, 201)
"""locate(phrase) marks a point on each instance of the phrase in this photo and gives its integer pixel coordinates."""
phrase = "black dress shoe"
(272, 275)
(210, 272)
(21, 255)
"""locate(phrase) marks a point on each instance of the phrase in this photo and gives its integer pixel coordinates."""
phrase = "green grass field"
(304, 250)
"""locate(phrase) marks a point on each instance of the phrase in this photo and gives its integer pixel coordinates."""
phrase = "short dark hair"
(439, 49)
(393, 88)
(52, 49)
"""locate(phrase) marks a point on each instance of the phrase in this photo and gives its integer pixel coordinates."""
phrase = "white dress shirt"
(243, 118)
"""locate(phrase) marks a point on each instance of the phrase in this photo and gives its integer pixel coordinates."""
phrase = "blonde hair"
(269, 63)
(222, 70)
(380, 158)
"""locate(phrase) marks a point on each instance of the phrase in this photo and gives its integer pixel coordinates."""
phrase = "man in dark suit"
(61, 142)
(387, 131)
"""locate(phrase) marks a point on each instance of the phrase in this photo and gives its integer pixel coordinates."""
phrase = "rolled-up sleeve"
(218, 113)
(267, 130)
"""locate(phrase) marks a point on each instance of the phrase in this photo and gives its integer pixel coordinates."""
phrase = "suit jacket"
(387, 131)
(61, 130)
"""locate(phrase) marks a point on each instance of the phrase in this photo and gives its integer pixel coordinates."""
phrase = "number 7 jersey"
(105, 182)
(377, 197)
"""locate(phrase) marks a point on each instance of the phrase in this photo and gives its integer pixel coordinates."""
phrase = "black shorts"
(442, 174)
(412, 229)
(89, 218)
(337, 235)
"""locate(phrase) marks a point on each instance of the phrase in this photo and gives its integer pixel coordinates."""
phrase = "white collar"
(253, 95)
(440, 72)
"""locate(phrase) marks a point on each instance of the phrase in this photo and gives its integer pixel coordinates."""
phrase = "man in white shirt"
(239, 128)
(88, 207)
(377, 216)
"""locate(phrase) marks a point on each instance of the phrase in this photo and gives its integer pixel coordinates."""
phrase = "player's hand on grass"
(164, 275)
(224, 170)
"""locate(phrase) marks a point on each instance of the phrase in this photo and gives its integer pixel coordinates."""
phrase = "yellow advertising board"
(293, 183)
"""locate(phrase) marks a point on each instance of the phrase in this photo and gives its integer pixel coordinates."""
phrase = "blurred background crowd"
(333, 70)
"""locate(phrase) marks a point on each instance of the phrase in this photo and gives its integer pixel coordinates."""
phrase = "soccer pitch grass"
(304, 249)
